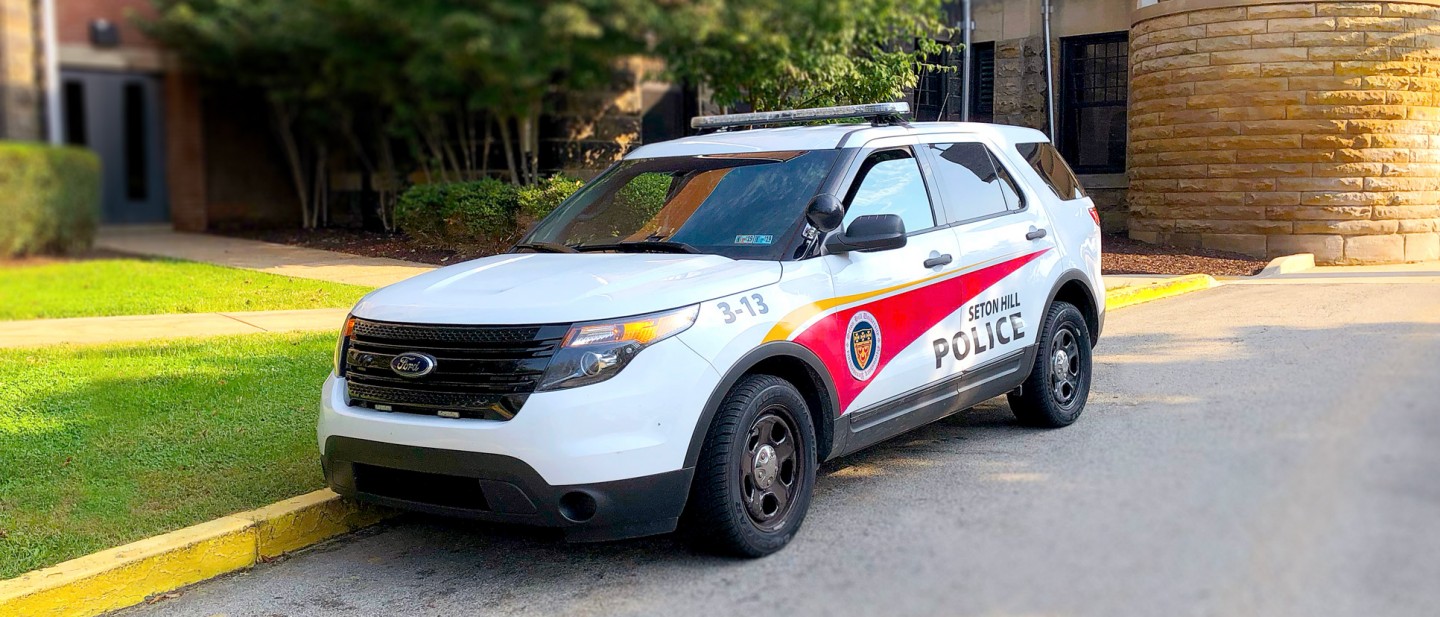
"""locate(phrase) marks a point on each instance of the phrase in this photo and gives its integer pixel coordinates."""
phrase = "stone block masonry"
(1272, 129)
(20, 96)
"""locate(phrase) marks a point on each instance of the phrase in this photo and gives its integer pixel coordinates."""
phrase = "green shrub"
(542, 199)
(459, 212)
(49, 198)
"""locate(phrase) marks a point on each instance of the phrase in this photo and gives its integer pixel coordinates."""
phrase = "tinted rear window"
(1052, 169)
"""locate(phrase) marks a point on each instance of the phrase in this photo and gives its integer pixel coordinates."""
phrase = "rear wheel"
(756, 471)
(1055, 392)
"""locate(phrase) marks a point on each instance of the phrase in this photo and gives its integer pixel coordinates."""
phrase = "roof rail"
(877, 113)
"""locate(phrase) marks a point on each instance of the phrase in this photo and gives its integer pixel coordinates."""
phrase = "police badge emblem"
(863, 345)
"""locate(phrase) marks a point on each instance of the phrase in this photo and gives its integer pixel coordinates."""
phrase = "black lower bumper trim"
(494, 487)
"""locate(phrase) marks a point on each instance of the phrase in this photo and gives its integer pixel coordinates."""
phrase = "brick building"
(1257, 126)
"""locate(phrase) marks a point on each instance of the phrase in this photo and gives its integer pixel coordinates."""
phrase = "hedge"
(480, 211)
(49, 198)
(542, 199)
(458, 212)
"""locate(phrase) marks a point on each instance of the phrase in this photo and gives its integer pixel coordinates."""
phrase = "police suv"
(684, 340)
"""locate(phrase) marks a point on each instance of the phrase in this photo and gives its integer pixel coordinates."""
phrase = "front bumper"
(504, 489)
(621, 442)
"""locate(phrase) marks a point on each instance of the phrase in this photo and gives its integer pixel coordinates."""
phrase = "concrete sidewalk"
(1116, 281)
(1391, 274)
(255, 255)
(94, 330)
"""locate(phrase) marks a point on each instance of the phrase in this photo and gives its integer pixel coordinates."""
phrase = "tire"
(1055, 392)
(756, 471)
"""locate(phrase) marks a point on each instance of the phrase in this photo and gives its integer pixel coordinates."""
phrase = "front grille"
(480, 371)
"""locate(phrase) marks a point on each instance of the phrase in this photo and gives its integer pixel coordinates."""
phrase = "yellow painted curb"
(124, 576)
(1121, 297)
(301, 521)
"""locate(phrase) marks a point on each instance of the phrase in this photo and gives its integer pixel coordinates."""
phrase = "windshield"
(742, 206)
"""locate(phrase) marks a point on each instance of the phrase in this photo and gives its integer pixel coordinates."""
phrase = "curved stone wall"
(1272, 129)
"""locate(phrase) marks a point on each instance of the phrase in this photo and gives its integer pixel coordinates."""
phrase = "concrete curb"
(1121, 297)
(124, 576)
(1287, 264)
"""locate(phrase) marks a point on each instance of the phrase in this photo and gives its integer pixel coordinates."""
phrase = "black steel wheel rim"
(1065, 370)
(770, 468)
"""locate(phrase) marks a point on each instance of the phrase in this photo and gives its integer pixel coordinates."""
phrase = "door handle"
(938, 260)
(1034, 234)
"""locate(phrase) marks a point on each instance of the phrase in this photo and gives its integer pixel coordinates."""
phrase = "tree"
(779, 54)
(428, 75)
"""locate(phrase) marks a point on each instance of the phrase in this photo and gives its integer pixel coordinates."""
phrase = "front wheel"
(756, 471)
(1055, 392)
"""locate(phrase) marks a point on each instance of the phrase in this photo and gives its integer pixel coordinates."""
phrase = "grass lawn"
(101, 287)
(104, 445)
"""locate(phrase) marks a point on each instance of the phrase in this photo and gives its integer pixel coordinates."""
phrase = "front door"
(875, 348)
(117, 115)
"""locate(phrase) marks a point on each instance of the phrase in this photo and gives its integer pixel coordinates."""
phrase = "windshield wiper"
(546, 247)
(647, 246)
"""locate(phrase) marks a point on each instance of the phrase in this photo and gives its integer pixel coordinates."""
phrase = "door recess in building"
(118, 116)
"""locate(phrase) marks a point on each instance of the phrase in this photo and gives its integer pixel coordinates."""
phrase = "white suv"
(684, 340)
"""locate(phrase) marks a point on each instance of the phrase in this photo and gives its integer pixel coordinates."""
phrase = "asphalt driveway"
(1248, 450)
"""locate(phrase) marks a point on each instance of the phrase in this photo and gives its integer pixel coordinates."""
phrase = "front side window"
(889, 182)
(742, 206)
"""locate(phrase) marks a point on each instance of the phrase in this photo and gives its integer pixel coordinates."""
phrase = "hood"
(536, 288)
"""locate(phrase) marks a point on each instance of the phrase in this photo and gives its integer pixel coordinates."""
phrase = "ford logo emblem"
(413, 364)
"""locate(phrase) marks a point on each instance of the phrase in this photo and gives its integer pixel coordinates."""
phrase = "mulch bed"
(41, 260)
(370, 244)
(1122, 255)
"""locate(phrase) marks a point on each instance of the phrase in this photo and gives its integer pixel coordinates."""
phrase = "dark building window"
(73, 100)
(1094, 86)
(982, 82)
(930, 89)
(137, 175)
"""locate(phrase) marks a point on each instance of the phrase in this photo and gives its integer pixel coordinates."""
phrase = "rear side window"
(1052, 169)
(972, 184)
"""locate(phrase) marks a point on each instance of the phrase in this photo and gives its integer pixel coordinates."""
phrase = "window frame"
(1000, 162)
(1071, 107)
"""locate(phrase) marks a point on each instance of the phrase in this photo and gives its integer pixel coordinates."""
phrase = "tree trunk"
(392, 184)
(321, 187)
(506, 144)
(534, 130)
(485, 152)
(285, 128)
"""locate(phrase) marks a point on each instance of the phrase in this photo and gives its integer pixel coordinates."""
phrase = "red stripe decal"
(903, 318)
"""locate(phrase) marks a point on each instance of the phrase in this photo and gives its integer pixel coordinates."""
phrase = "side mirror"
(874, 232)
(825, 213)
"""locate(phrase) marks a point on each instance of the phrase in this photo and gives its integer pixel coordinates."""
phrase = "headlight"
(596, 351)
(343, 344)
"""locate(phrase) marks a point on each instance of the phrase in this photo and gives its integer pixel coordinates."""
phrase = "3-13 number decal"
(754, 304)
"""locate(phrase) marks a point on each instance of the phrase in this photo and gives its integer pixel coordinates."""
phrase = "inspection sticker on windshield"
(765, 239)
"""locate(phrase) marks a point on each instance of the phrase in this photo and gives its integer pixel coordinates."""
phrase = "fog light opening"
(577, 507)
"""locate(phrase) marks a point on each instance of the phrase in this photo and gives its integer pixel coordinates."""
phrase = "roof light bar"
(871, 111)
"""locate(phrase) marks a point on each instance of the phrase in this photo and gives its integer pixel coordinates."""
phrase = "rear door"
(1005, 245)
